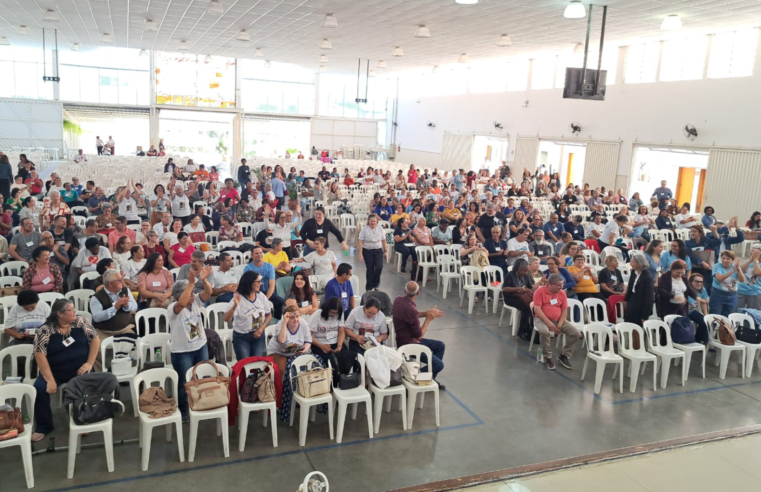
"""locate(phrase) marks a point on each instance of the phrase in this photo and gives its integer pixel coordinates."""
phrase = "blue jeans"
(43, 415)
(437, 349)
(277, 303)
(226, 297)
(182, 362)
(248, 346)
(701, 333)
(722, 302)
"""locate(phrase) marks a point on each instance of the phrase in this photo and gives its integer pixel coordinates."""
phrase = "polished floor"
(501, 410)
(726, 465)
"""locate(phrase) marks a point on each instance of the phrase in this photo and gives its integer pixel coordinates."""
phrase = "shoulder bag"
(682, 331)
(11, 423)
(207, 393)
(748, 334)
(93, 408)
(265, 387)
(248, 391)
(725, 332)
(314, 382)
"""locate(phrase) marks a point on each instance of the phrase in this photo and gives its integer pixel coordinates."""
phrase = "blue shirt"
(266, 271)
(342, 291)
(577, 231)
(729, 285)
(100, 315)
(667, 258)
(278, 187)
(556, 230)
(568, 281)
(692, 303)
(384, 213)
(508, 211)
(751, 286)
(663, 195)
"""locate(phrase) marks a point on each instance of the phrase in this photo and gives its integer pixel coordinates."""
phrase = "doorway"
(488, 153)
(206, 134)
(684, 171)
(565, 158)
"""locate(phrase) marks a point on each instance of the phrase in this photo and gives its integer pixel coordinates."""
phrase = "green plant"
(292, 151)
(293, 191)
(71, 127)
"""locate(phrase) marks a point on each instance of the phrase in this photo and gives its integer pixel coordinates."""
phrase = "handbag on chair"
(11, 423)
(314, 382)
(265, 387)
(207, 393)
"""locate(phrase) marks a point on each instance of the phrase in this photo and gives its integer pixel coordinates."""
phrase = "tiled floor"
(725, 465)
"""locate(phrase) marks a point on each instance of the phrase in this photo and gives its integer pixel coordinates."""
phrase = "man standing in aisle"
(99, 145)
(278, 188)
(407, 327)
(663, 195)
(244, 174)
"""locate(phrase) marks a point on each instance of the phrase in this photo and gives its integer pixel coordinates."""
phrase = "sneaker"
(565, 362)
(442, 386)
(550, 365)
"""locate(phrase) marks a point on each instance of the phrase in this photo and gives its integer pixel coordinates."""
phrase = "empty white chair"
(50, 297)
(151, 347)
(149, 378)
(76, 432)
(598, 336)
(472, 285)
(441, 249)
(426, 261)
(591, 258)
(80, 298)
(226, 244)
(268, 409)
(593, 307)
(387, 392)
(304, 363)
(494, 283)
(664, 350)
(215, 316)
(13, 268)
(218, 414)
(130, 376)
(723, 352)
(688, 349)
(15, 394)
(11, 281)
(149, 320)
(343, 398)
(88, 276)
(14, 352)
(448, 270)
(413, 389)
(751, 349)
(637, 356)
(611, 251)
(347, 225)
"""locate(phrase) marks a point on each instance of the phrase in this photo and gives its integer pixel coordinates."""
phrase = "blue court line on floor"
(478, 422)
(578, 384)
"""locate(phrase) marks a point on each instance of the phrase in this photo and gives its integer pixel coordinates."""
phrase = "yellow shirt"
(396, 217)
(586, 285)
(275, 260)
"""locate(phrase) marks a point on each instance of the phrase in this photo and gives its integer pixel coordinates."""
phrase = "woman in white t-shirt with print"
(127, 204)
(293, 338)
(327, 328)
(249, 311)
(324, 262)
(611, 233)
(187, 329)
(364, 321)
(170, 238)
(180, 204)
(131, 268)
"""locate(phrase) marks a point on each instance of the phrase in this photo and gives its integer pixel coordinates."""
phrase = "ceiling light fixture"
(51, 16)
(22, 31)
(504, 41)
(150, 26)
(267, 64)
(381, 64)
(258, 52)
(575, 10)
(464, 58)
(579, 48)
(435, 69)
(397, 51)
(671, 22)
(325, 44)
(4, 41)
(75, 47)
(207, 59)
(144, 53)
(323, 59)
(329, 21)
(466, 2)
(422, 32)
(107, 38)
(215, 8)
(183, 46)
(322, 69)
(243, 36)
(372, 73)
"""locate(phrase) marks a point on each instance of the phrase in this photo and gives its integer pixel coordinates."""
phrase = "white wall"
(725, 112)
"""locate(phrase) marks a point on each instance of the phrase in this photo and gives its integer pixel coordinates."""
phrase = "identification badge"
(181, 250)
(344, 295)
(46, 281)
(305, 303)
(553, 301)
(319, 231)
(586, 277)
(108, 225)
(68, 342)
(496, 249)
(30, 243)
(157, 284)
(62, 243)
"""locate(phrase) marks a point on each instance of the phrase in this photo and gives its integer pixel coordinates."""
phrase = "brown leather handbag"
(207, 393)
(11, 424)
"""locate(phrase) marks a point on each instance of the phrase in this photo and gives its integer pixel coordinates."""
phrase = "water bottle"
(158, 355)
(539, 355)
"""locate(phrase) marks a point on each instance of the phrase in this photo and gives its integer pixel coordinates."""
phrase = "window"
(105, 75)
(338, 92)
(22, 73)
(517, 75)
(543, 72)
(576, 60)
(683, 59)
(187, 80)
(642, 63)
(282, 88)
(732, 54)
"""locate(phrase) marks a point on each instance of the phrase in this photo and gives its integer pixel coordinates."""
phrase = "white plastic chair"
(752, 350)
(218, 414)
(611, 251)
(472, 285)
(343, 398)
(107, 343)
(16, 393)
(687, 348)
(347, 225)
(413, 389)
(591, 258)
(13, 268)
(215, 316)
(148, 345)
(15, 352)
(425, 260)
(441, 249)
(592, 307)
(493, 276)
(305, 404)
(80, 298)
(723, 352)
(50, 297)
(448, 270)
(145, 316)
(597, 335)
(88, 276)
(75, 439)
(11, 281)
(637, 357)
(147, 424)
(269, 409)
(226, 244)
(575, 316)
(388, 392)
(665, 352)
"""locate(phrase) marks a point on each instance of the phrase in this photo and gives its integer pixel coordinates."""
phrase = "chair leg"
(655, 375)
(331, 410)
(242, 430)
(193, 439)
(293, 409)
(274, 425)
(436, 405)
(134, 401)
(704, 362)
(633, 374)
(378, 411)
(312, 413)
(724, 361)
(354, 407)
(684, 368)
(26, 456)
(665, 366)
(403, 408)
(303, 423)
(147, 434)
(584, 369)
(225, 437)
(621, 379)
(342, 409)
(369, 414)
(73, 438)
(422, 400)
(749, 356)
(180, 441)
(108, 443)
(411, 409)
(471, 301)
(501, 315)
(599, 373)
(742, 360)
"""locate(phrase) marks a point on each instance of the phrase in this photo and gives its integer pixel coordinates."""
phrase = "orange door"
(701, 186)
(685, 185)
(569, 174)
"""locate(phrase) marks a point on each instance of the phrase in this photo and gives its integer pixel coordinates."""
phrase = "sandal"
(37, 437)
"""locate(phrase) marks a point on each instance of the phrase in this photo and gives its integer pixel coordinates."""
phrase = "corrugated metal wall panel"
(26, 124)
(526, 151)
(601, 164)
(456, 152)
(733, 179)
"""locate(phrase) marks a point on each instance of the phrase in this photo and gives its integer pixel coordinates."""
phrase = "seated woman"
(65, 346)
(610, 278)
(673, 290)
(684, 220)
(23, 320)
(641, 223)
(585, 278)
(152, 152)
(535, 271)
(697, 247)
(105, 221)
(471, 245)
(323, 261)
(303, 294)
(460, 231)
(170, 237)
(639, 297)
(519, 221)
(567, 254)
(663, 221)
(154, 282)
(195, 230)
(42, 275)
(698, 308)
(754, 224)
(250, 313)
(404, 242)
(229, 231)
(152, 244)
(364, 321)
(569, 283)
(677, 251)
(180, 253)
(122, 251)
(708, 219)
(131, 268)
(749, 292)
(293, 338)
(518, 292)
(635, 202)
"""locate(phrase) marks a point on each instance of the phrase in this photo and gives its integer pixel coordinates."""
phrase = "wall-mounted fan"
(690, 132)
(431, 124)
(575, 127)
(497, 125)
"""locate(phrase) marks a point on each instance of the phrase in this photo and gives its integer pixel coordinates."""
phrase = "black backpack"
(346, 369)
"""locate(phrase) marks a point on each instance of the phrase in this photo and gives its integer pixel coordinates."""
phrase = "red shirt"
(412, 176)
(232, 193)
(35, 187)
(551, 304)
(406, 321)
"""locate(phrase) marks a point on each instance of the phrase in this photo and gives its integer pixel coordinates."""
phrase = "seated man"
(553, 229)
(278, 258)
(497, 248)
(340, 287)
(112, 308)
(197, 261)
(550, 310)
(540, 248)
(224, 279)
(575, 228)
(407, 327)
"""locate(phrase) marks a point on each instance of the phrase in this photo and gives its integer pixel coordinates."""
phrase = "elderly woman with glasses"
(52, 209)
(65, 346)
